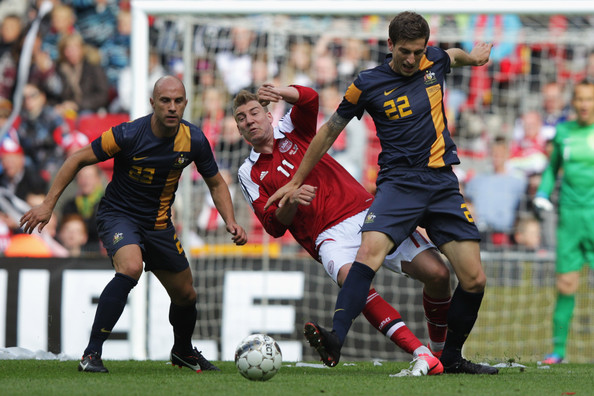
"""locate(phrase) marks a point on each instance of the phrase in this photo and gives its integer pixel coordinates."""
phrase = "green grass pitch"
(52, 377)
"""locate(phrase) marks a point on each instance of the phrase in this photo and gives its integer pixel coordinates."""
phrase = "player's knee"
(184, 296)
(439, 279)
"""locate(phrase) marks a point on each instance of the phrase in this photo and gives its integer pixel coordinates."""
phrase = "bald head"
(168, 82)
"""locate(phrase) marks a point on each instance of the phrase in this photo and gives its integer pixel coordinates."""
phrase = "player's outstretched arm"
(319, 146)
(40, 215)
(269, 93)
(222, 200)
(478, 56)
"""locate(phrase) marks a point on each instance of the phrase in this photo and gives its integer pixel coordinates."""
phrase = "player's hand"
(303, 195)
(37, 216)
(282, 195)
(268, 93)
(239, 234)
(542, 204)
(480, 53)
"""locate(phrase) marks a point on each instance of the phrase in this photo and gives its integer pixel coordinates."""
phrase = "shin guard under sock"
(387, 319)
(183, 320)
(562, 322)
(461, 318)
(352, 298)
(109, 309)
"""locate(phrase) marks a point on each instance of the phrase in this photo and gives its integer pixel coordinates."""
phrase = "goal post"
(514, 321)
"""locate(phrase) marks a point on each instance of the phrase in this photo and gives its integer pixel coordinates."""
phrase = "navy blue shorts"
(429, 198)
(161, 249)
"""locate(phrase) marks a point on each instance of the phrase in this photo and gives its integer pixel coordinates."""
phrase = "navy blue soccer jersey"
(408, 112)
(147, 168)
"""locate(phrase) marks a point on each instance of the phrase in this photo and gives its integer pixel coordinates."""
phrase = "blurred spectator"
(8, 71)
(230, 148)
(527, 233)
(325, 71)
(496, 196)
(298, 69)
(212, 113)
(85, 83)
(123, 101)
(96, 20)
(235, 63)
(10, 30)
(72, 234)
(354, 57)
(528, 148)
(16, 177)
(590, 67)
(44, 74)
(49, 232)
(90, 188)
(115, 50)
(40, 130)
(62, 20)
(555, 108)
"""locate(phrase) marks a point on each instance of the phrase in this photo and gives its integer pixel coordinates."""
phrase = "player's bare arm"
(269, 93)
(222, 200)
(478, 56)
(319, 146)
(304, 195)
(40, 215)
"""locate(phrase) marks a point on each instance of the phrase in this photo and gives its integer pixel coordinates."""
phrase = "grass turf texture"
(51, 377)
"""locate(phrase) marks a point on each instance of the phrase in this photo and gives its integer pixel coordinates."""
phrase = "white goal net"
(218, 48)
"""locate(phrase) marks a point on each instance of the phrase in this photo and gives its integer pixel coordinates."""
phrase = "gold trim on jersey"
(108, 143)
(438, 147)
(165, 199)
(183, 139)
(425, 63)
(353, 94)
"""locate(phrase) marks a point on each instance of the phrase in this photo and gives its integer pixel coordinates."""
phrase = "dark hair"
(408, 26)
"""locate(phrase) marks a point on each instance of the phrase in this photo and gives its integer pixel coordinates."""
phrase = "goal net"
(218, 48)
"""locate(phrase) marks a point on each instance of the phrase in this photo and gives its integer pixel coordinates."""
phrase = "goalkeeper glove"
(542, 203)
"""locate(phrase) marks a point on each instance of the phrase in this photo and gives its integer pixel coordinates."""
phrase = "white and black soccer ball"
(258, 357)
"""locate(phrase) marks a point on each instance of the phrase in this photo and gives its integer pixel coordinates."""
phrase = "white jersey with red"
(339, 195)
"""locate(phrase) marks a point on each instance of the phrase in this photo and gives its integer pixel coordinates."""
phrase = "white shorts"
(338, 246)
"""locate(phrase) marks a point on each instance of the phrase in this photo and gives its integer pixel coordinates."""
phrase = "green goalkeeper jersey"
(573, 153)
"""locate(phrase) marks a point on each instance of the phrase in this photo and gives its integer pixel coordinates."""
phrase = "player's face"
(406, 55)
(254, 124)
(583, 102)
(169, 103)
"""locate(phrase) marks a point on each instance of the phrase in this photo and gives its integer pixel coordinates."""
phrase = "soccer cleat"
(464, 366)
(425, 364)
(194, 361)
(92, 363)
(325, 342)
(552, 358)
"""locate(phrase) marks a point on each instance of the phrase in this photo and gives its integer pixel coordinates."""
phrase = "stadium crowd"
(79, 84)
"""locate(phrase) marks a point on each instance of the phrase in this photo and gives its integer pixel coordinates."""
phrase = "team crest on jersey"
(181, 161)
(118, 236)
(285, 145)
(429, 78)
(370, 218)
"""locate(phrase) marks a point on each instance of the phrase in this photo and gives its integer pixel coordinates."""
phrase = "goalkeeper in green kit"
(572, 158)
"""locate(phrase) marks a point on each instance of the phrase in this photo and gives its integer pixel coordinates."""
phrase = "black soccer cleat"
(92, 363)
(464, 366)
(326, 343)
(194, 361)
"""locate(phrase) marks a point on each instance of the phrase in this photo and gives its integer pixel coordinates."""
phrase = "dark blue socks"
(183, 320)
(462, 315)
(352, 298)
(109, 309)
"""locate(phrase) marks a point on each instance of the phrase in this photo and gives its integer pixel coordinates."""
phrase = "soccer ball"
(258, 357)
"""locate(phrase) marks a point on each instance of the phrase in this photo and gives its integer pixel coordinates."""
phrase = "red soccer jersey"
(339, 195)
